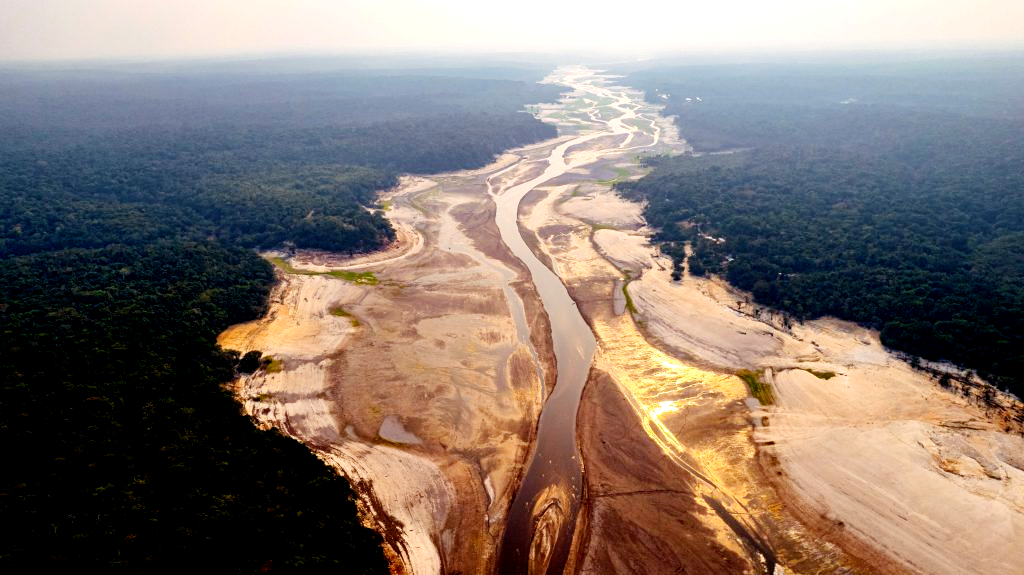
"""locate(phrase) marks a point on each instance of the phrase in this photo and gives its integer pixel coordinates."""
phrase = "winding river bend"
(541, 521)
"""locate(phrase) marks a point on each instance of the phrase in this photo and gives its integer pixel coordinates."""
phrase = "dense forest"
(132, 204)
(888, 194)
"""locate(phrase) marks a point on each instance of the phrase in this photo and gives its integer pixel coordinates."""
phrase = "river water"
(541, 521)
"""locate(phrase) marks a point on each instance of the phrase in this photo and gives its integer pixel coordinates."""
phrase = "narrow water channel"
(542, 518)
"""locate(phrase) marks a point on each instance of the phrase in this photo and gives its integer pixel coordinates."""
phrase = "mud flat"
(424, 385)
(544, 527)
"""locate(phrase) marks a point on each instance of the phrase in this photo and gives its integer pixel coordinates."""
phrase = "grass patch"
(287, 267)
(629, 299)
(620, 175)
(576, 193)
(386, 206)
(273, 365)
(340, 312)
(759, 389)
(361, 278)
(826, 375)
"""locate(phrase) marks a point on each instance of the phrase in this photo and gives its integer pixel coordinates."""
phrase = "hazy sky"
(61, 29)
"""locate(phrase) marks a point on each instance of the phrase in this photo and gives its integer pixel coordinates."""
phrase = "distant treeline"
(891, 195)
(130, 204)
(228, 172)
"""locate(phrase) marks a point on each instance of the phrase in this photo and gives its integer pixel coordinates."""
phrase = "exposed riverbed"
(498, 408)
(543, 514)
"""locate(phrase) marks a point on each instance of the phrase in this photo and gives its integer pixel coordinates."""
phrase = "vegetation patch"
(361, 278)
(272, 364)
(904, 215)
(127, 246)
(340, 312)
(621, 174)
(249, 362)
(629, 299)
(826, 375)
(761, 391)
(287, 267)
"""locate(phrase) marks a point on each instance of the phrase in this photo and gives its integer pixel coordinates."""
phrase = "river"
(538, 533)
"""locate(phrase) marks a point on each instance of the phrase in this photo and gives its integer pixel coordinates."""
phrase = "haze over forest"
(126, 29)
